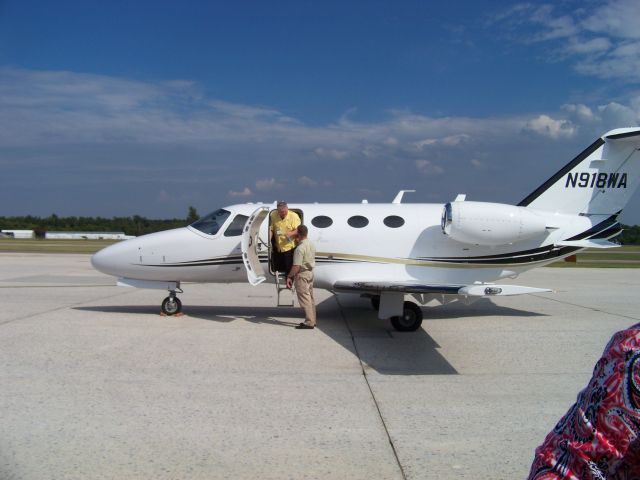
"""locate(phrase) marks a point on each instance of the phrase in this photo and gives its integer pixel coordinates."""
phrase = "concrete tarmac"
(95, 384)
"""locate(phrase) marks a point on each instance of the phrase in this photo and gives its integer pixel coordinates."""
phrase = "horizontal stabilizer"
(586, 243)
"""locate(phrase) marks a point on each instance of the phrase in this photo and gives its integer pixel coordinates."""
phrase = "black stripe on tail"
(561, 173)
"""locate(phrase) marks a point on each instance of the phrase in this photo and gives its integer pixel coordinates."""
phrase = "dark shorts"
(282, 262)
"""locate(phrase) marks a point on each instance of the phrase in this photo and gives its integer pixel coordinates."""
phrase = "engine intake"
(482, 223)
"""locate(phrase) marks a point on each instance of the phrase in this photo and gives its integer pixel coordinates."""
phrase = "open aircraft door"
(251, 246)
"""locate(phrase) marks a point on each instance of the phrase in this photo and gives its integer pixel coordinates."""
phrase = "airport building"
(19, 233)
(86, 236)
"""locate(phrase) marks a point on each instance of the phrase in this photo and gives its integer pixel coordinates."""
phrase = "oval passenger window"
(358, 221)
(393, 221)
(321, 221)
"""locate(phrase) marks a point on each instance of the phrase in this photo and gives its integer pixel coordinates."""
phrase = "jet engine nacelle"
(481, 223)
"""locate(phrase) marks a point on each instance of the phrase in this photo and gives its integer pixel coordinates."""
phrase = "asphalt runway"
(95, 384)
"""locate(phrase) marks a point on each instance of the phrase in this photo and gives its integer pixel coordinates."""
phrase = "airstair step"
(284, 299)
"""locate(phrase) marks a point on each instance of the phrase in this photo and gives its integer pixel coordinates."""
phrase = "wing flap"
(474, 290)
(400, 287)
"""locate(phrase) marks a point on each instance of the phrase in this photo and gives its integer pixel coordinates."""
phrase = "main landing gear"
(409, 321)
(172, 304)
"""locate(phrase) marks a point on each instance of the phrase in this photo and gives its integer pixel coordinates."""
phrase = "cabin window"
(235, 227)
(321, 221)
(393, 221)
(210, 224)
(358, 221)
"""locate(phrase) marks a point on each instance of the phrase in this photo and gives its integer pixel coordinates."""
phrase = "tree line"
(630, 235)
(134, 225)
(137, 225)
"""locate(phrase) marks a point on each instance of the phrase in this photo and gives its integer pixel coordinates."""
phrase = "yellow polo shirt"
(280, 227)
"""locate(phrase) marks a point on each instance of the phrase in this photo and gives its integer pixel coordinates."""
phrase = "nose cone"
(125, 259)
(115, 259)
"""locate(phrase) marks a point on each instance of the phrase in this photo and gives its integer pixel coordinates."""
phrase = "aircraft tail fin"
(599, 181)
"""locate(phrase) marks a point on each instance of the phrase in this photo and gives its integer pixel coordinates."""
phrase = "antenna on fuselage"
(400, 194)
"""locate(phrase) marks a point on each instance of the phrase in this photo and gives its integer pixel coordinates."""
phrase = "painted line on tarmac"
(9, 287)
(373, 397)
(32, 315)
(593, 309)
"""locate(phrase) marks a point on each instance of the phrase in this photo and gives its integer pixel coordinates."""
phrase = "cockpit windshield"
(210, 224)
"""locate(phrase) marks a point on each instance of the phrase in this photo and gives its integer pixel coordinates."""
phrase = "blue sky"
(121, 108)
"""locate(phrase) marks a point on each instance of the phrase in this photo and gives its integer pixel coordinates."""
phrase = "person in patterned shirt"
(599, 437)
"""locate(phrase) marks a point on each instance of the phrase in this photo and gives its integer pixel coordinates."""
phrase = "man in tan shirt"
(301, 274)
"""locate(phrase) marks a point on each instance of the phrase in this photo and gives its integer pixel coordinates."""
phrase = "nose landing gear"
(172, 304)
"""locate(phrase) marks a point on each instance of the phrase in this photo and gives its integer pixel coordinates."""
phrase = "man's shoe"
(304, 326)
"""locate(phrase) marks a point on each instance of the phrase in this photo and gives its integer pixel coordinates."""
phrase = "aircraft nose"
(113, 259)
(100, 260)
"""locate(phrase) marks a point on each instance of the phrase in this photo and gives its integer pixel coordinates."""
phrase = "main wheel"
(375, 302)
(410, 320)
(171, 306)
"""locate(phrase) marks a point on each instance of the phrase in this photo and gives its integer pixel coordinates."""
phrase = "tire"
(410, 320)
(375, 302)
(171, 306)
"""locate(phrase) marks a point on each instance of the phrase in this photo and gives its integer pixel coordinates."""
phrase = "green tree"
(192, 216)
(630, 235)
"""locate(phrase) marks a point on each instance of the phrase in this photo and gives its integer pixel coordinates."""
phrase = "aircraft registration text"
(598, 180)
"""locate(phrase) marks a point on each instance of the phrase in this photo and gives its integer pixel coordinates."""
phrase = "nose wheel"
(171, 305)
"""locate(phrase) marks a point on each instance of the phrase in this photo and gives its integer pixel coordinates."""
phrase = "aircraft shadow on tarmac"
(355, 326)
(389, 352)
(223, 314)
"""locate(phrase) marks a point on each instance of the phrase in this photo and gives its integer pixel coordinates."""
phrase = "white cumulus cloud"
(546, 126)
(242, 193)
(579, 113)
(331, 153)
(426, 167)
(478, 164)
(619, 115)
(447, 141)
(266, 184)
(307, 182)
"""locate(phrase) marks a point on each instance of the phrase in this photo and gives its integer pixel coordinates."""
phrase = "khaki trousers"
(304, 289)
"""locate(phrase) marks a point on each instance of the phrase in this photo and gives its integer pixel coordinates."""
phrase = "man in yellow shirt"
(283, 226)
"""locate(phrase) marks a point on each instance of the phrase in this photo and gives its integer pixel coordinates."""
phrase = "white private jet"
(390, 251)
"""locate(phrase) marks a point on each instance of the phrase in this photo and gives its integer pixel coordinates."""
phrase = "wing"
(473, 290)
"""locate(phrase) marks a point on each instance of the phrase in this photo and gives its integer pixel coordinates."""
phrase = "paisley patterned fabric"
(599, 437)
